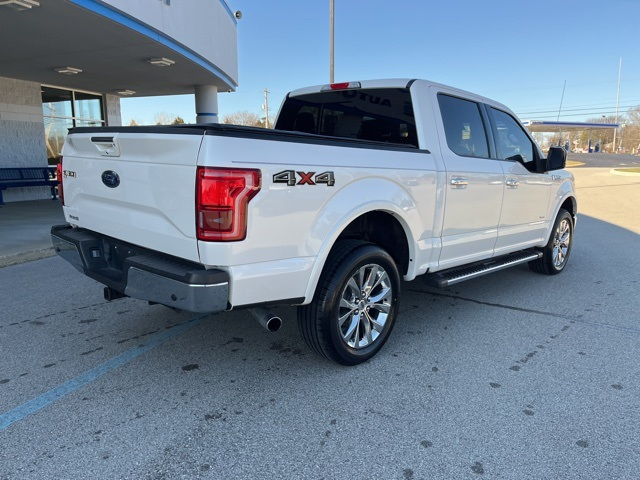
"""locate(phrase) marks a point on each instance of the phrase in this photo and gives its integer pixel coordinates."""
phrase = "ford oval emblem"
(110, 178)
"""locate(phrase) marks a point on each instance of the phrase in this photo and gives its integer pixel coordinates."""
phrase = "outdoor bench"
(13, 177)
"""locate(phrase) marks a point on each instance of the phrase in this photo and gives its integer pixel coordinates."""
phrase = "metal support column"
(206, 103)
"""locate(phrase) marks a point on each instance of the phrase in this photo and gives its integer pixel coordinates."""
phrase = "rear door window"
(463, 126)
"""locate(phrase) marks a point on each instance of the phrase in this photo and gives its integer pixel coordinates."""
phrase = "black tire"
(368, 311)
(555, 254)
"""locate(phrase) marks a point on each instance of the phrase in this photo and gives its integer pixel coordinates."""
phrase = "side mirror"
(556, 159)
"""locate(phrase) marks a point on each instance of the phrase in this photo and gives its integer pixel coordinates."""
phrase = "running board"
(455, 275)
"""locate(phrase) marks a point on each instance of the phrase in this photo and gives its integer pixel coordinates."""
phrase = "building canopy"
(563, 127)
(109, 45)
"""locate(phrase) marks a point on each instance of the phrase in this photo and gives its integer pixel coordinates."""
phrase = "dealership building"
(67, 63)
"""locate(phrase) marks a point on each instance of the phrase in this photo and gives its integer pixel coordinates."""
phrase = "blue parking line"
(55, 394)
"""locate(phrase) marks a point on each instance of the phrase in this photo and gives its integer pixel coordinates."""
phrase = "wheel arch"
(385, 230)
(382, 224)
(568, 203)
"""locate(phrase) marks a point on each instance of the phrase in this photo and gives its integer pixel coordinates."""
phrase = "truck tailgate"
(138, 187)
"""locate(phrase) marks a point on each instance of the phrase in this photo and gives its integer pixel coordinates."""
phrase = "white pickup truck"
(359, 186)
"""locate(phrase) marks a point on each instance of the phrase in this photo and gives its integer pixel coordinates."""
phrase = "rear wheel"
(355, 305)
(555, 254)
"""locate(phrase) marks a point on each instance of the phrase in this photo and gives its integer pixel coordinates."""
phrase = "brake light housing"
(222, 199)
(59, 178)
(341, 86)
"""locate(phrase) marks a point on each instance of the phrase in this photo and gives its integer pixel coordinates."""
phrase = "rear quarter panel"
(291, 228)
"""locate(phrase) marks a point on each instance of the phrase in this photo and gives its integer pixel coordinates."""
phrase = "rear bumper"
(141, 273)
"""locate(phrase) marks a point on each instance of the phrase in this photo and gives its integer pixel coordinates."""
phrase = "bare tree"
(601, 135)
(539, 137)
(163, 118)
(631, 132)
(243, 118)
(633, 116)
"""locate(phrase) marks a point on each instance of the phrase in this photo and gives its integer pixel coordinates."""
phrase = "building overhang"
(111, 49)
(548, 126)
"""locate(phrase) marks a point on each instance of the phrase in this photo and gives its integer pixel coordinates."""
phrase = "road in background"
(512, 375)
(604, 160)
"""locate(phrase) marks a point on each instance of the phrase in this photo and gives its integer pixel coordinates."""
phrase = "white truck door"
(474, 181)
(523, 221)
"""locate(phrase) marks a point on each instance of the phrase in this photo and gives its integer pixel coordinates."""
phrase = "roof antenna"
(561, 99)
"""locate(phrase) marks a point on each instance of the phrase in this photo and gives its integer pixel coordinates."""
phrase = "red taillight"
(59, 178)
(222, 196)
(339, 86)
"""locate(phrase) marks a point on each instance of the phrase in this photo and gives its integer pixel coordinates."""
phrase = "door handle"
(459, 182)
(512, 183)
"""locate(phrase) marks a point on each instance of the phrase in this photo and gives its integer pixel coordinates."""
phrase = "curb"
(621, 172)
(18, 258)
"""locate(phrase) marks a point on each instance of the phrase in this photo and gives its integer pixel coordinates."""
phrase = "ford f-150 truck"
(359, 186)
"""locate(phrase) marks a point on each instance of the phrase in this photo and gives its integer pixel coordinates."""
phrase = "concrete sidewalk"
(25, 230)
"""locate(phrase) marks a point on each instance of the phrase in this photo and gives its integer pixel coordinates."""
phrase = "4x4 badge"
(306, 178)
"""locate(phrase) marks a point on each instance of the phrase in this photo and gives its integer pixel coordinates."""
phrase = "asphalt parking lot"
(513, 375)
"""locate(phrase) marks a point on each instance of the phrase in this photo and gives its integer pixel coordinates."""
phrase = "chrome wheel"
(365, 303)
(555, 253)
(561, 243)
(355, 304)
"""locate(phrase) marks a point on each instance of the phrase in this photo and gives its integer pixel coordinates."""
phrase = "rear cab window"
(380, 115)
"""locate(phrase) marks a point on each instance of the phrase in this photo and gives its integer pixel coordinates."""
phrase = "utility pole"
(265, 106)
(560, 109)
(615, 130)
(331, 22)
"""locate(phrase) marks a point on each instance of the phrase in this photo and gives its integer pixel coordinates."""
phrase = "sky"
(517, 52)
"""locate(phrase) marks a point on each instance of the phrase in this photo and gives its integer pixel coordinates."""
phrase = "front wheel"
(555, 254)
(355, 305)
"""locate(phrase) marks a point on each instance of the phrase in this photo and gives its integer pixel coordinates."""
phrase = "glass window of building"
(64, 109)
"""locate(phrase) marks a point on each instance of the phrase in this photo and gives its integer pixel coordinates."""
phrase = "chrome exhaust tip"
(266, 319)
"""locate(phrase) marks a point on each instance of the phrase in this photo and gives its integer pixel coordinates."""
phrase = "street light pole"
(615, 130)
(266, 107)
(331, 22)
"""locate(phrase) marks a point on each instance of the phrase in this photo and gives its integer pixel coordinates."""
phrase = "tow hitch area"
(112, 294)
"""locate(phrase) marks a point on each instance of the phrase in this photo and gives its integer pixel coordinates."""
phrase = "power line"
(598, 114)
(565, 110)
